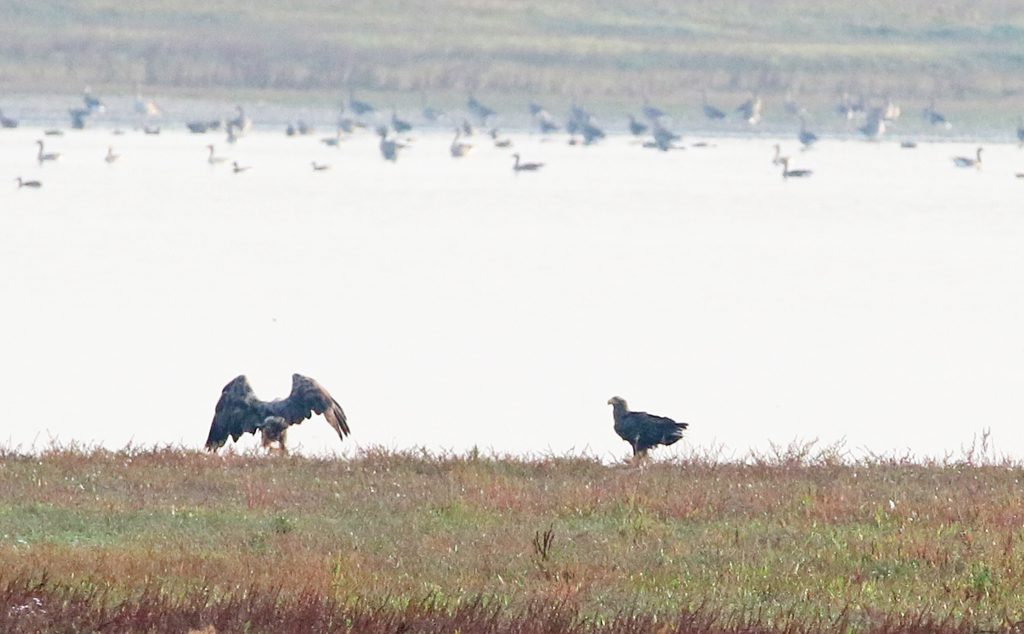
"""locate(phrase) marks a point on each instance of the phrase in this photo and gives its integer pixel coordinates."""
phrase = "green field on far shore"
(970, 54)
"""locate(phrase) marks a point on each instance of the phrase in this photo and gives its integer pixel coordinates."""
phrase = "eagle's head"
(617, 401)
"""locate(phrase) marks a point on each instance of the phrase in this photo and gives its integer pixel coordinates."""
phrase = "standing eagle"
(643, 430)
(240, 412)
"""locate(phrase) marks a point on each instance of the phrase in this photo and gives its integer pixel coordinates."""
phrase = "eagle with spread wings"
(642, 430)
(239, 412)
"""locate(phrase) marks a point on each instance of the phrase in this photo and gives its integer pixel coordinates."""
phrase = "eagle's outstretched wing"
(238, 412)
(308, 397)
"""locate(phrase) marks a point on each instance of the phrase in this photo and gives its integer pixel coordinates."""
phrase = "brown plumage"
(239, 412)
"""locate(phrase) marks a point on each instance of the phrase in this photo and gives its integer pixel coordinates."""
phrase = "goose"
(481, 111)
(874, 127)
(79, 117)
(111, 157)
(320, 167)
(400, 125)
(459, 149)
(214, 160)
(388, 147)
(778, 159)
(525, 167)
(333, 141)
(92, 103)
(788, 173)
(53, 132)
(503, 143)
(652, 113)
(359, 107)
(201, 127)
(43, 156)
(145, 108)
(663, 137)
(238, 169)
(545, 121)
(636, 128)
(6, 122)
(751, 109)
(23, 183)
(240, 125)
(908, 145)
(807, 138)
(963, 161)
(849, 108)
(710, 111)
(934, 117)
(891, 111)
(151, 130)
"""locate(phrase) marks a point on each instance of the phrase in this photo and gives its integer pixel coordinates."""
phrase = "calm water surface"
(451, 303)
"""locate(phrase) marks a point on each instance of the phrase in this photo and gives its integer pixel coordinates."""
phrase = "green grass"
(794, 536)
(597, 50)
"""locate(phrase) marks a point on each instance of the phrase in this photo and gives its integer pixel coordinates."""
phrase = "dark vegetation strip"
(29, 606)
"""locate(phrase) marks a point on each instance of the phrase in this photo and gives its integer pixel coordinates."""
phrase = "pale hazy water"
(450, 303)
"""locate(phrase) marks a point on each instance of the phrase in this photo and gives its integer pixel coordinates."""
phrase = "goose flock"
(653, 129)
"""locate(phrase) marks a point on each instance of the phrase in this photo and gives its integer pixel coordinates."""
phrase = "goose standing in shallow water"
(457, 148)
(111, 157)
(750, 109)
(636, 128)
(43, 156)
(963, 161)
(214, 160)
(24, 183)
(710, 111)
(788, 173)
(525, 167)
(6, 122)
(388, 147)
(807, 138)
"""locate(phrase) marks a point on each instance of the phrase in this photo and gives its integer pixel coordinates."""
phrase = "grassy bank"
(592, 49)
(794, 539)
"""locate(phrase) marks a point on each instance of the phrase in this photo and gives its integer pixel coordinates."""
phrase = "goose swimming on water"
(806, 137)
(320, 167)
(23, 183)
(214, 160)
(238, 169)
(788, 173)
(459, 149)
(525, 167)
(43, 156)
(963, 161)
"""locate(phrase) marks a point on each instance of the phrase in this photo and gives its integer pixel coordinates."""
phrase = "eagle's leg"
(274, 429)
(280, 442)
